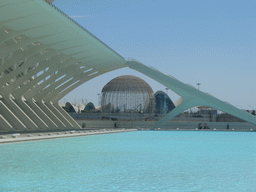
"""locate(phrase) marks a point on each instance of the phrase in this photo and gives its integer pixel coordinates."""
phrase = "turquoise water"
(134, 161)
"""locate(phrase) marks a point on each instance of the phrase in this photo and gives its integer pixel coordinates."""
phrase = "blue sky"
(211, 42)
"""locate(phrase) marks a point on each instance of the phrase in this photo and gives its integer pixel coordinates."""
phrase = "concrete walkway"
(20, 137)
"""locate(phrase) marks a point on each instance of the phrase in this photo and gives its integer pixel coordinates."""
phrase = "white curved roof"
(53, 46)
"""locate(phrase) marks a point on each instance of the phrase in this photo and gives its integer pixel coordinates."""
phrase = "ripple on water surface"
(134, 161)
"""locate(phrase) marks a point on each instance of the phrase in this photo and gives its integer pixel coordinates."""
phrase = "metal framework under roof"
(45, 55)
(127, 93)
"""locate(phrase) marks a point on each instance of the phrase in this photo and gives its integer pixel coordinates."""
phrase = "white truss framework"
(45, 55)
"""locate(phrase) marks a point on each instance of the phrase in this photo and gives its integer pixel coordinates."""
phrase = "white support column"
(67, 116)
(50, 114)
(11, 118)
(5, 126)
(60, 116)
(32, 114)
(20, 114)
(33, 105)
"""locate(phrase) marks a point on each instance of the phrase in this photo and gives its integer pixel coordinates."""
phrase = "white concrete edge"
(65, 134)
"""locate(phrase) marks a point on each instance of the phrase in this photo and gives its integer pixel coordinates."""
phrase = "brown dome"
(127, 83)
(127, 93)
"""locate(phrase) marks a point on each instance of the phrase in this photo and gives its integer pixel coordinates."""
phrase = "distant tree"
(253, 112)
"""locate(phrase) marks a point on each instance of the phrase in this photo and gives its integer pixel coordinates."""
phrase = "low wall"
(138, 117)
(90, 124)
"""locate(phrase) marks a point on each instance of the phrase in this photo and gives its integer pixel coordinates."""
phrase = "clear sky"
(211, 42)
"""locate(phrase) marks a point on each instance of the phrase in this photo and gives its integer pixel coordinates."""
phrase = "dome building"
(163, 103)
(127, 93)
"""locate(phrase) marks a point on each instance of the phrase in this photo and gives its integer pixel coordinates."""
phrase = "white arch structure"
(45, 55)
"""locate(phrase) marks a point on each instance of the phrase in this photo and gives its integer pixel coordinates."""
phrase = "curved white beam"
(190, 96)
